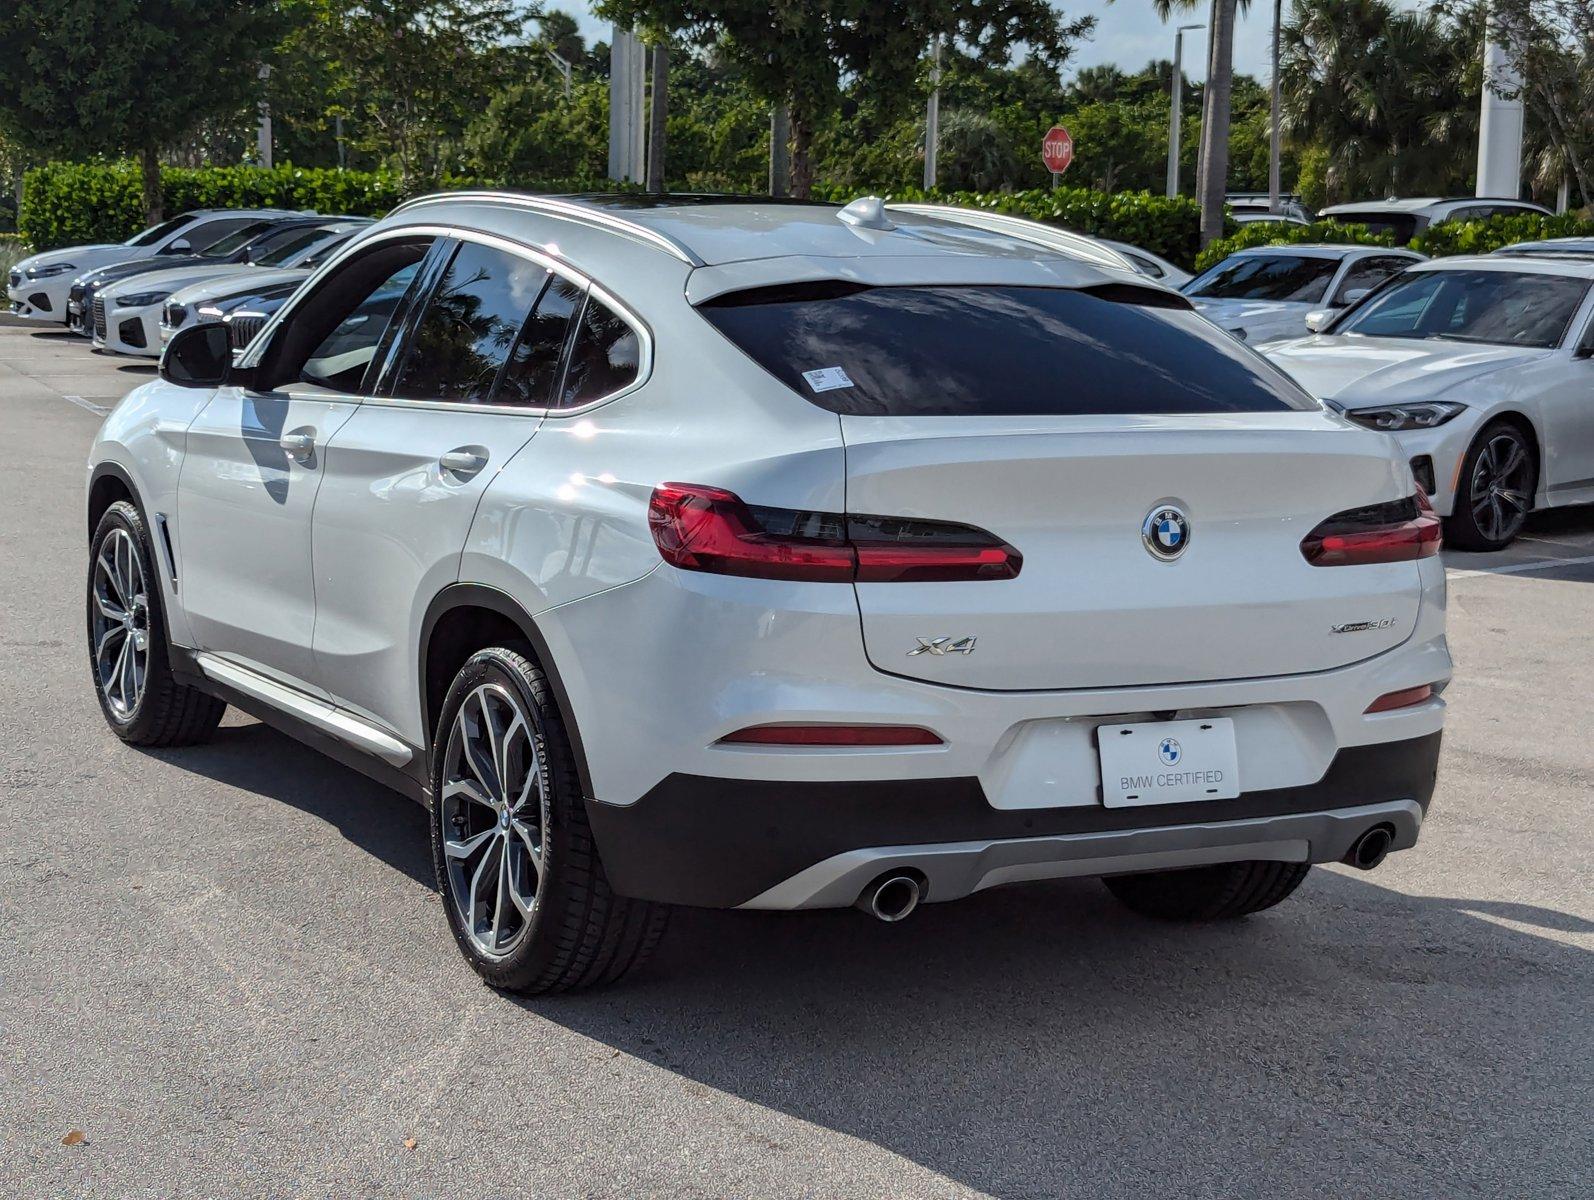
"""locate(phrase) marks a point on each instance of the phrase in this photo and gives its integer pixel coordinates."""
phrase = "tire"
(1216, 893)
(566, 928)
(142, 700)
(1494, 492)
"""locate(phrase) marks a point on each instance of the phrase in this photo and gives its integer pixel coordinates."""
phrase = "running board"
(330, 720)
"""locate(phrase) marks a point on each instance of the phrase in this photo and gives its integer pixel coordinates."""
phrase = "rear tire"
(142, 700)
(1494, 491)
(524, 889)
(1216, 893)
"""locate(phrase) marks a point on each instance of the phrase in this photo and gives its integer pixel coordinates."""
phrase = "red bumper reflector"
(1401, 699)
(832, 735)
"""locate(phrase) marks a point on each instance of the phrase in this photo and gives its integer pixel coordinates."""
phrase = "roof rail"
(568, 209)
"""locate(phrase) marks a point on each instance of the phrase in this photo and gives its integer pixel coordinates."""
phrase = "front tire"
(142, 700)
(1217, 893)
(524, 889)
(1495, 490)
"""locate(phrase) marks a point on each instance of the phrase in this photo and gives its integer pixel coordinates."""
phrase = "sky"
(1128, 34)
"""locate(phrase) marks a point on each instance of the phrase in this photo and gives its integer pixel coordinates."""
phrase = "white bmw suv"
(776, 556)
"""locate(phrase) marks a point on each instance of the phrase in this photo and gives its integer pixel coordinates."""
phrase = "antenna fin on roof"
(867, 212)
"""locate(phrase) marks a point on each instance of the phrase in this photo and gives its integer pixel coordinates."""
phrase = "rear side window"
(469, 327)
(1402, 225)
(606, 356)
(995, 351)
(533, 368)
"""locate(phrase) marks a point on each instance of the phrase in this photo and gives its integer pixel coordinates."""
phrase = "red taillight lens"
(1401, 699)
(832, 735)
(699, 528)
(1380, 533)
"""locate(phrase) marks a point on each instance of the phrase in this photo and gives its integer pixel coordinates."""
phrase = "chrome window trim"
(643, 331)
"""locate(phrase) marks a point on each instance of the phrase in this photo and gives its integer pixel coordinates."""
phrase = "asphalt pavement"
(227, 969)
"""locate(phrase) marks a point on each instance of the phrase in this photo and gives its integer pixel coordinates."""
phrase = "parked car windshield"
(290, 246)
(234, 241)
(157, 232)
(1294, 278)
(995, 351)
(1504, 307)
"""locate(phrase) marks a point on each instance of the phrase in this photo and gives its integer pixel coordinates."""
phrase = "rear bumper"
(726, 843)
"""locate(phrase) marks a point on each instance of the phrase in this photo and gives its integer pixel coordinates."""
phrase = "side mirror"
(1319, 319)
(199, 356)
(180, 246)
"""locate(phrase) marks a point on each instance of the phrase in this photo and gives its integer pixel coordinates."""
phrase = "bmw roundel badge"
(1166, 532)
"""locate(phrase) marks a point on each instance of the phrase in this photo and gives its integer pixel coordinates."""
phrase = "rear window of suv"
(995, 351)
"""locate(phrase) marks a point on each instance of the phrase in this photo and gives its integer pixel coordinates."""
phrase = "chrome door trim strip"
(333, 721)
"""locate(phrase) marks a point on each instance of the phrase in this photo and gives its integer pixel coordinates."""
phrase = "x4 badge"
(942, 645)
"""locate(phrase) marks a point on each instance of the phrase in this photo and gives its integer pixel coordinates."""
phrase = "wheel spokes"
(465, 847)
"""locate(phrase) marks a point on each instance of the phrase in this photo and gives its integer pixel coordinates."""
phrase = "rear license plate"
(1168, 762)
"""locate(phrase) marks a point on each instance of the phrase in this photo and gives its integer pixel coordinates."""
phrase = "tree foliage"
(802, 55)
(128, 75)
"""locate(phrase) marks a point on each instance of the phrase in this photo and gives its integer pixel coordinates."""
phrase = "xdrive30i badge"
(1362, 626)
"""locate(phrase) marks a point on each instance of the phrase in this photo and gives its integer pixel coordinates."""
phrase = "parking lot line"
(98, 409)
(1546, 564)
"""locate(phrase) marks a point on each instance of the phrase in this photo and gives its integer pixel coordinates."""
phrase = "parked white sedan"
(1483, 369)
(1263, 294)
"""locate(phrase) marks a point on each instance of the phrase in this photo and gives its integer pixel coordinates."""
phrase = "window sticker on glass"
(827, 379)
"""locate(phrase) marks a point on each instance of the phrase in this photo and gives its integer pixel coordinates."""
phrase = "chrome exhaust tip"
(892, 897)
(1367, 851)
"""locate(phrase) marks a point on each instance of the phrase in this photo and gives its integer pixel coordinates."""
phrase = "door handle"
(298, 445)
(463, 462)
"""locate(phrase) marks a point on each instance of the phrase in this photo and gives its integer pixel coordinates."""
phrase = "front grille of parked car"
(74, 306)
(176, 314)
(99, 317)
(242, 327)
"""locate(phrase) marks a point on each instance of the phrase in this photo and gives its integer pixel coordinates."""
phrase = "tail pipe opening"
(893, 896)
(1367, 851)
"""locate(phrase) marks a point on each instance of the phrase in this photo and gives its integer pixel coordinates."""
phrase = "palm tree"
(1388, 94)
(1212, 176)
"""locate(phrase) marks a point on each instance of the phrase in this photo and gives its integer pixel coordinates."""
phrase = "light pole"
(932, 115)
(1275, 135)
(1173, 113)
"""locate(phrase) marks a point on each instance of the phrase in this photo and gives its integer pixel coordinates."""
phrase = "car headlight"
(141, 299)
(50, 271)
(1396, 417)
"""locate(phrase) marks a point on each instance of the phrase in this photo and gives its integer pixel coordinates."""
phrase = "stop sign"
(1057, 149)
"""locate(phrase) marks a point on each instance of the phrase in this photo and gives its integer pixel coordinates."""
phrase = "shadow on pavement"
(1000, 1040)
(258, 759)
(1042, 1041)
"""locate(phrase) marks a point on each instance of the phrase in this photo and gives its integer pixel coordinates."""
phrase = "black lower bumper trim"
(720, 842)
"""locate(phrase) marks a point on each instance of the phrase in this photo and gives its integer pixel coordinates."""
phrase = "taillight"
(1379, 533)
(832, 735)
(699, 528)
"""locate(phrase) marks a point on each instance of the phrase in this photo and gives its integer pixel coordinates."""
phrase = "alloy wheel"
(494, 808)
(120, 625)
(1499, 491)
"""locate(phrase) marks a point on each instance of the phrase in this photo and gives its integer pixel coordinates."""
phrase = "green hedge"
(12, 251)
(1483, 237)
(66, 204)
(1170, 228)
(1278, 233)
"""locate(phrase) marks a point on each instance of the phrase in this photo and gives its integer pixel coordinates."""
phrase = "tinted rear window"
(1295, 279)
(998, 351)
(1402, 225)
